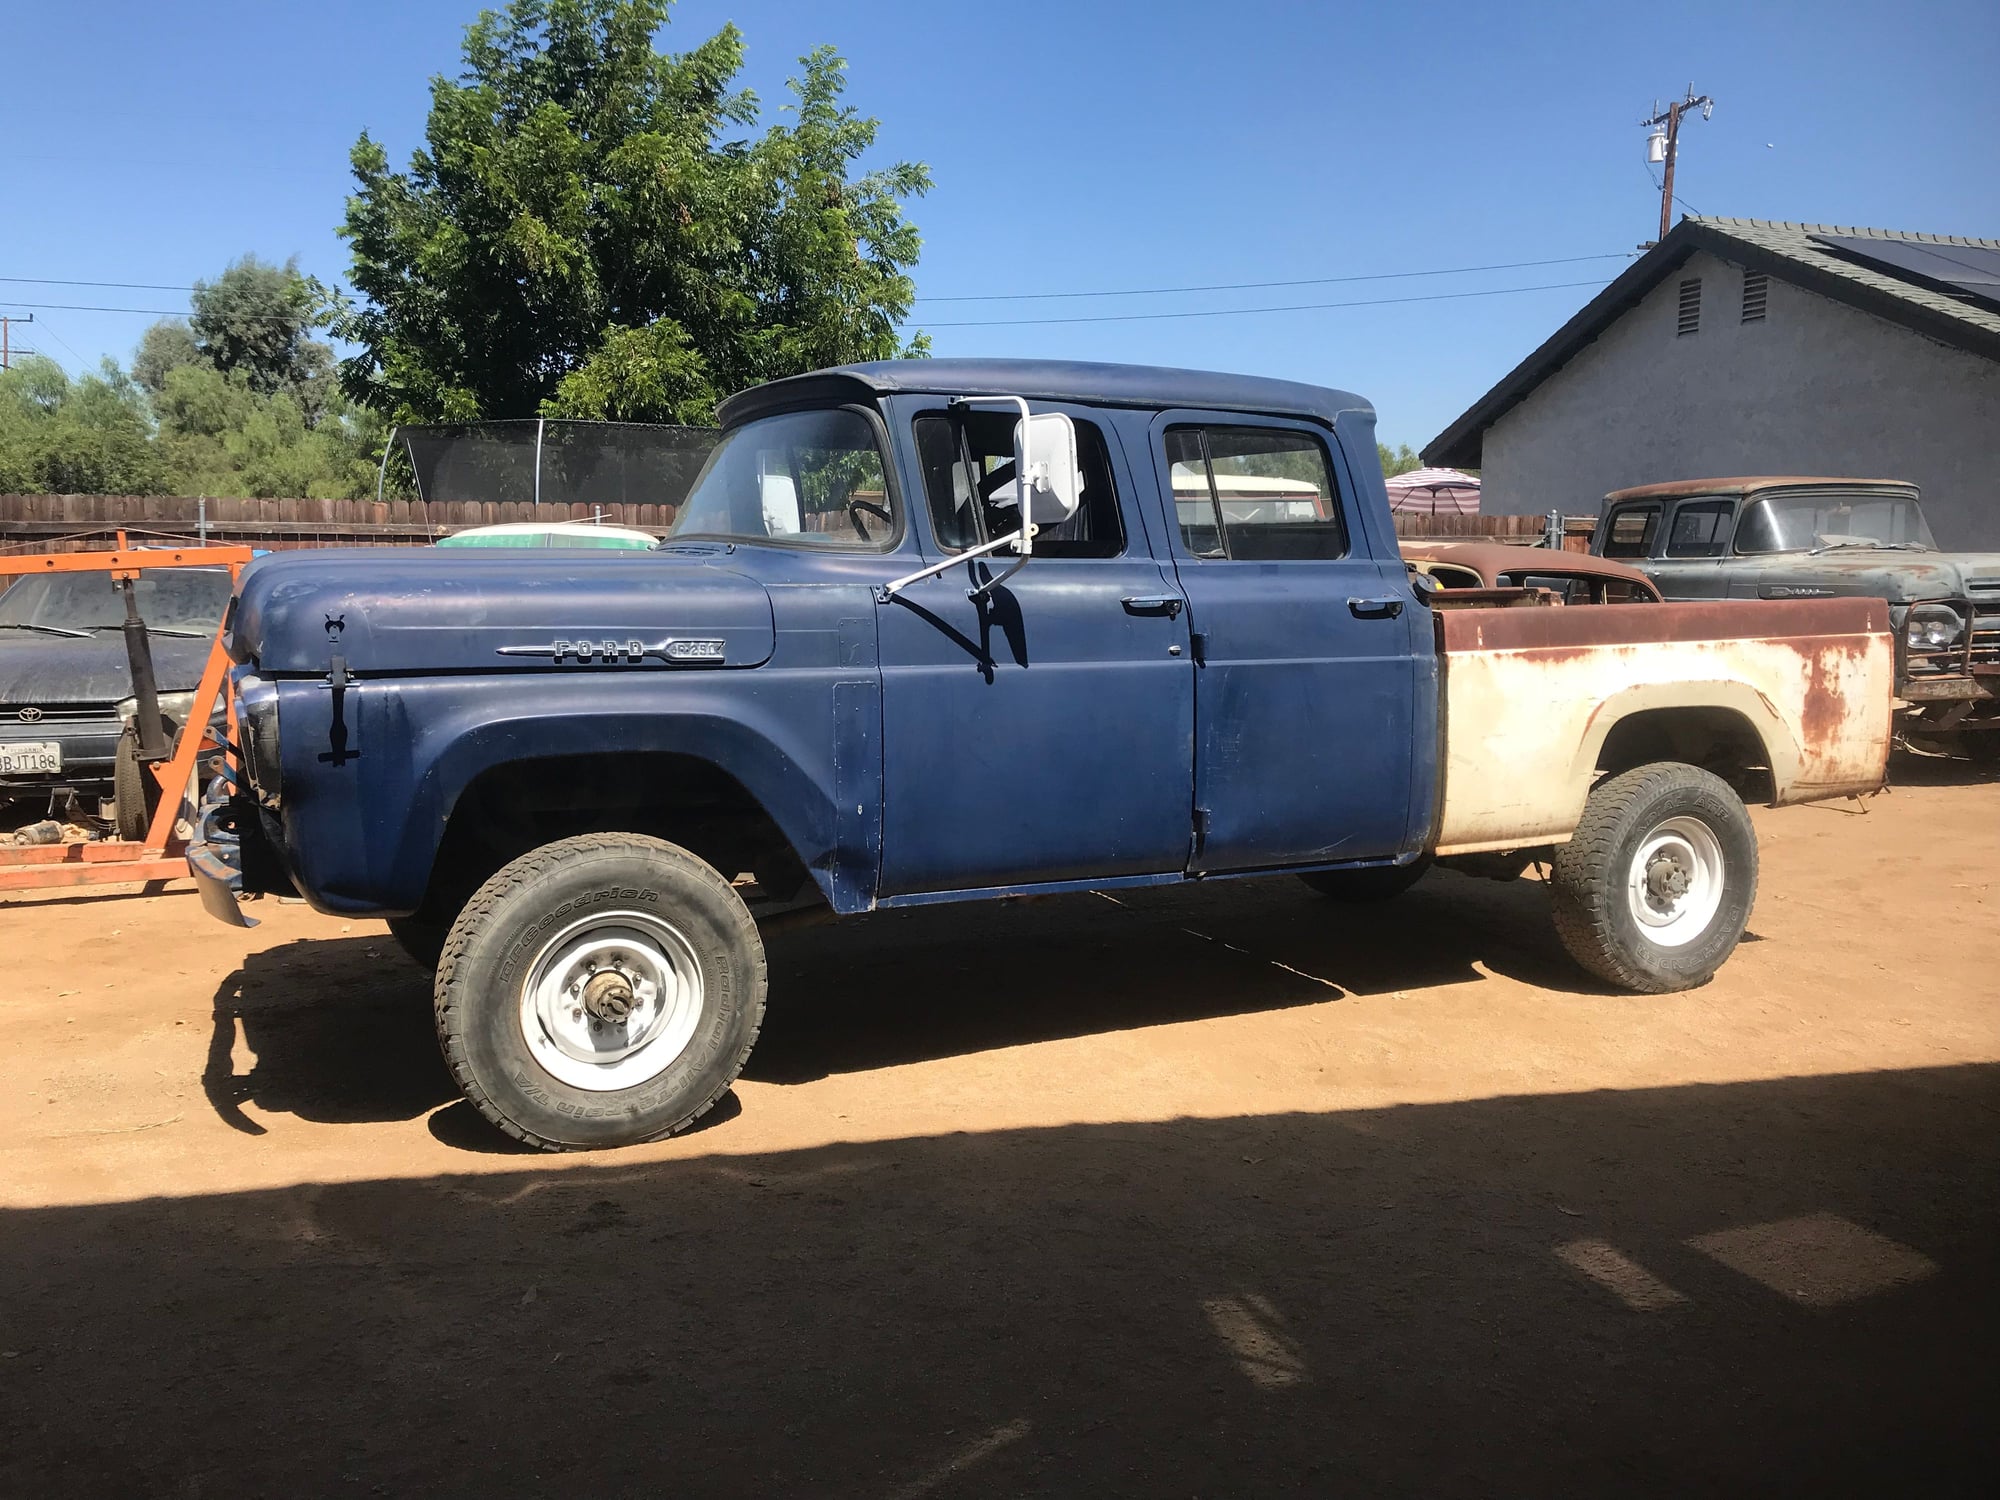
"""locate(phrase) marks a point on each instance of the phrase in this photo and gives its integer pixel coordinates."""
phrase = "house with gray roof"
(1741, 346)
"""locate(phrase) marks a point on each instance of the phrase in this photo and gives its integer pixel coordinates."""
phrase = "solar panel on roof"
(1968, 270)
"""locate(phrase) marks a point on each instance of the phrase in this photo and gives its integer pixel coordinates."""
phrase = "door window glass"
(1632, 529)
(1255, 494)
(967, 457)
(1700, 529)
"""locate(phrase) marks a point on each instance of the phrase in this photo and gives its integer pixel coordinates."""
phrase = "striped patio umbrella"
(1434, 492)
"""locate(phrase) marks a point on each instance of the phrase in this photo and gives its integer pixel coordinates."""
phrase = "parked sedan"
(64, 672)
(1573, 577)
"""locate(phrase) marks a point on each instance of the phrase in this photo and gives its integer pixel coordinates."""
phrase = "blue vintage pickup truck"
(951, 630)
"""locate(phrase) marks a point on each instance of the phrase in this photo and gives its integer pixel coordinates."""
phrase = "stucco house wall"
(1817, 387)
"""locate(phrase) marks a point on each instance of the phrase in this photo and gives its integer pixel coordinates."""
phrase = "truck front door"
(1308, 646)
(1045, 730)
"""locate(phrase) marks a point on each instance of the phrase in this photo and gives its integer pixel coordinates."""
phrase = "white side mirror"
(1045, 454)
(780, 498)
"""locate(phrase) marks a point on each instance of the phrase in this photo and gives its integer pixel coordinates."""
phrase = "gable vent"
(1756, 287)
(1690, 321)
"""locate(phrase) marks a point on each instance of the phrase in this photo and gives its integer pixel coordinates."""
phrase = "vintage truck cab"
(1797, 537)
(948, 630)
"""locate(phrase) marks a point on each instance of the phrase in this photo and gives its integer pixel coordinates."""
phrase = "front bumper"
(215, 857)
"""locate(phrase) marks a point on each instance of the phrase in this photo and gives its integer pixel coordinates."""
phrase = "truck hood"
(1879, 573)
(40, 670)
(425, 610)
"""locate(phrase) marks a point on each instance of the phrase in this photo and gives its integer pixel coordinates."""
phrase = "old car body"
(1806, 537)
(1572, 577)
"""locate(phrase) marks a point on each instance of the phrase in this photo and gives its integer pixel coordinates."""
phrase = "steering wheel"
(872, 509)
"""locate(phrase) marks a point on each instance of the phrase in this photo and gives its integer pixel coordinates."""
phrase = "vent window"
(1690, 320)
(1756, 288)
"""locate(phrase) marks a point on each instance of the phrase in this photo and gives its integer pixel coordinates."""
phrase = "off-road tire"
(1593, 915)
(493, 944)
(1378, 883)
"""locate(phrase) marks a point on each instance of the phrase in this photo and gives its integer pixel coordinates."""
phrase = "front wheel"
(1653, 891)
(600, 991)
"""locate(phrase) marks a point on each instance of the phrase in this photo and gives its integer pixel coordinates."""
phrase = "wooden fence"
(69, 523)
(66, 523)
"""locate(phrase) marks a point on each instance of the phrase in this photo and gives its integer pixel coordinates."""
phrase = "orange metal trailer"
(159, 856)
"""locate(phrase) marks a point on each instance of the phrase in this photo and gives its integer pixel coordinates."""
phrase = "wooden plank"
(62, 877)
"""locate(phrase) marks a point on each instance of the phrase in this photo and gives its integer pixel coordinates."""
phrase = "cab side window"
(1257, 494)
(1700, 529)
(967, 458)
(1632, 529)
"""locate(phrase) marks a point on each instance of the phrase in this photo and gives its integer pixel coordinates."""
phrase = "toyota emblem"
(31, 716)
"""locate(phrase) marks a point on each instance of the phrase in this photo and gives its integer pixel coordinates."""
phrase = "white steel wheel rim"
(1674, 884)
(582, 976)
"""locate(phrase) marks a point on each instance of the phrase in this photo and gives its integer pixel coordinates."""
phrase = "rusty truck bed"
(1532, 698)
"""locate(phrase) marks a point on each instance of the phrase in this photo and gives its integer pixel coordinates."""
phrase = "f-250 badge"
(581, 651)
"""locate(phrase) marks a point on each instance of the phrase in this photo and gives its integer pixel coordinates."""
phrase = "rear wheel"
(1653, 891)
(1379, 883)
(600, 991)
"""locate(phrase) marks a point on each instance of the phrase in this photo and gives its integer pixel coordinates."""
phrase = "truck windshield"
(1806, 522)
(811, 478)
(173, 601)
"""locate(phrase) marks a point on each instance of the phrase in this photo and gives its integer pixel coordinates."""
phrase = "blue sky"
(1076, 147)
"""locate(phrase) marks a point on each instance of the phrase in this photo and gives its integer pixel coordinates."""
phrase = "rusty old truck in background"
(1795, 537)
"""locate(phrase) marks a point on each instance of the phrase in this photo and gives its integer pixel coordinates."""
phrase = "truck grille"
(55, 713)
(1986, 635)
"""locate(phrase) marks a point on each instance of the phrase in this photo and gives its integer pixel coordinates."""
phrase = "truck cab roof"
(1151, 387)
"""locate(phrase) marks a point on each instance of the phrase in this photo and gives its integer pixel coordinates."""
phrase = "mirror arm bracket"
(1022, 540)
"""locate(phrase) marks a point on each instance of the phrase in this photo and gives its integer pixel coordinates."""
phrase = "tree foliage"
(239, 400)
(588, 231)
(1400, 459)
(255, 321)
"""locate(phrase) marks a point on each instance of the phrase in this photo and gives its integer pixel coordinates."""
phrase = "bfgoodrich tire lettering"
(1653, 891)
(661, 933)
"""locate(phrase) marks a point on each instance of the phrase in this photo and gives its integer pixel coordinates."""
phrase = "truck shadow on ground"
(1780, 1287)
(339, 1030)
(1907, 768)
(907, 986)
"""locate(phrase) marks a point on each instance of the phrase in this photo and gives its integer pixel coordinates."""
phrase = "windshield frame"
(1820, 498)
(885, 452)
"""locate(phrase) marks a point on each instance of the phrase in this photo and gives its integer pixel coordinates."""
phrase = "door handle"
(1152, 604)
(1375, 609)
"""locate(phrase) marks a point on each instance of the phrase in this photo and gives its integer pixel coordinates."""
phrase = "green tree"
(167, 345)
(585, 234)
(83, 436)
(255, 320)
(1398, 460)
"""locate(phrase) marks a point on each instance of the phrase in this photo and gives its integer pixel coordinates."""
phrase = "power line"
(123, 286)
(1237, 312)
(1245, 286)
(1139, 291)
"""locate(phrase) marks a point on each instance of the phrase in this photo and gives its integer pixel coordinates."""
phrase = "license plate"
(31, 758)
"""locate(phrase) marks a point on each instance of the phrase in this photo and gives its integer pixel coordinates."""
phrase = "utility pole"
(7, 322)
(1664, 145)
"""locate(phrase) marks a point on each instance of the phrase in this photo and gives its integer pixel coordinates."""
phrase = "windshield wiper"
(187, 635)
(80, 635)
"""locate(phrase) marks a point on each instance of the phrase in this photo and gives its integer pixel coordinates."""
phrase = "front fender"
(373, 773)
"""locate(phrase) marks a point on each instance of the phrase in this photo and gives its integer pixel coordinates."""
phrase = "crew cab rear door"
(1306, 644)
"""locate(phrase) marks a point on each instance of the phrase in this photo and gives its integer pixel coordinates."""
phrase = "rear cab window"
(1630, 530)
(1258, 494)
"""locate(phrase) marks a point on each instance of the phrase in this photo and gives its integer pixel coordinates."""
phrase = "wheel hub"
(1674, 885)
(611, 1000)
(608, 995)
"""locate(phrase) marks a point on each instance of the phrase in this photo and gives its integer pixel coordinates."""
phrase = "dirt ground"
(1206, 1192)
